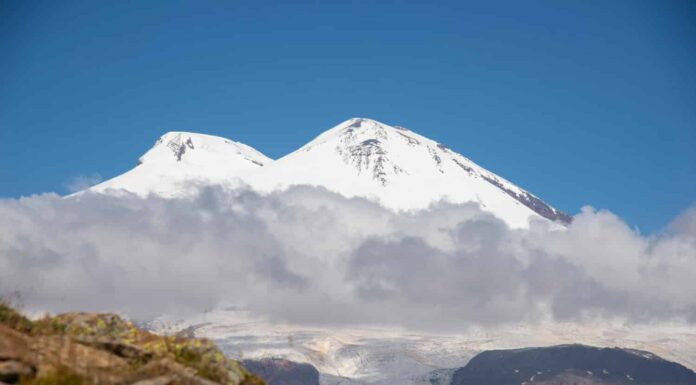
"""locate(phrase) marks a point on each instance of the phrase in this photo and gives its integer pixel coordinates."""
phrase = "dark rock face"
(572, 364)
(179, 147)
(277, 371)
(535, 204)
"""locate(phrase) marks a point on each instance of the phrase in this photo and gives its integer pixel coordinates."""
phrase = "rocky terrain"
(386, 356)
(103, 349)
(572, 364)
(277, 371)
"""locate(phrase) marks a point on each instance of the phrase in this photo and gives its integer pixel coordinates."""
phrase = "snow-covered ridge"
(194, 148)
(179, 162)
(394, 166)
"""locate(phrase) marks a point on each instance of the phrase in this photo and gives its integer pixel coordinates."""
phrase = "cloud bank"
(309, 256)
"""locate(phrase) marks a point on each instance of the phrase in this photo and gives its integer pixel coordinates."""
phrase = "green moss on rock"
(12, 319)
(185, 360)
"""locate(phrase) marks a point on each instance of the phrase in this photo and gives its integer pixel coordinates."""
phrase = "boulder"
(13, 371)
(104, 349)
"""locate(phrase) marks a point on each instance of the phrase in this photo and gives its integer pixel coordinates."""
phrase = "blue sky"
(580, 102)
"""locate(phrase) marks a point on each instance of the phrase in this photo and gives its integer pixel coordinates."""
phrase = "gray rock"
(572, 364)
(161, 380)
(276, 371)
(12, 371)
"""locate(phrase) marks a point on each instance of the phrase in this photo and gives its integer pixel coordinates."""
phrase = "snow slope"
(181, 161)
(390, 355)
(359, 157)
(400, 169)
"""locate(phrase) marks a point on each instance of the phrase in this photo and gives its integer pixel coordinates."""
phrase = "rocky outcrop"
(572, 364)
(103, 349)
(277, 371)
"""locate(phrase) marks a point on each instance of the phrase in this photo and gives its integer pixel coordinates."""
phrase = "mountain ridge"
(572, 364)
(361, 157)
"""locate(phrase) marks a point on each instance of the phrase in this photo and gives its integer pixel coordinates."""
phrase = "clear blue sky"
(580, 102)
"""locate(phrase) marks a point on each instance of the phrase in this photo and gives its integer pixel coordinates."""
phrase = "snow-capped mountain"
(400, 169)
(359, 157)
(181, 161)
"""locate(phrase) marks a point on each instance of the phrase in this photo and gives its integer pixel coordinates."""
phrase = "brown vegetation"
(103, 349)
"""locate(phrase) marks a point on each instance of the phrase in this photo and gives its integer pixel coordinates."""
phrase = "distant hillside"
(276, 371)
(572, 364)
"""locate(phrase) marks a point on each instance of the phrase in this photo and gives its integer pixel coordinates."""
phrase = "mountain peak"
(363, 123)
(359, 157)
(352, 131)
(403, 170)
(367, 124)
(357, 121)
(179, 161)
(188, 147)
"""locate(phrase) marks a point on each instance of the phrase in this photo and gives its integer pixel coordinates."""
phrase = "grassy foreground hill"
(103, 349)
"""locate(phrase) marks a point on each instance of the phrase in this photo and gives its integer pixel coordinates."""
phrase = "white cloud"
(82, 182)
(313, 257)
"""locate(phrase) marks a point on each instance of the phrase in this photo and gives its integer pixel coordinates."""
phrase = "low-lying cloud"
(83, 182)
(309, 256)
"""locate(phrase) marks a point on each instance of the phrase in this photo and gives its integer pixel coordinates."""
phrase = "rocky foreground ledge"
(103, 349)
